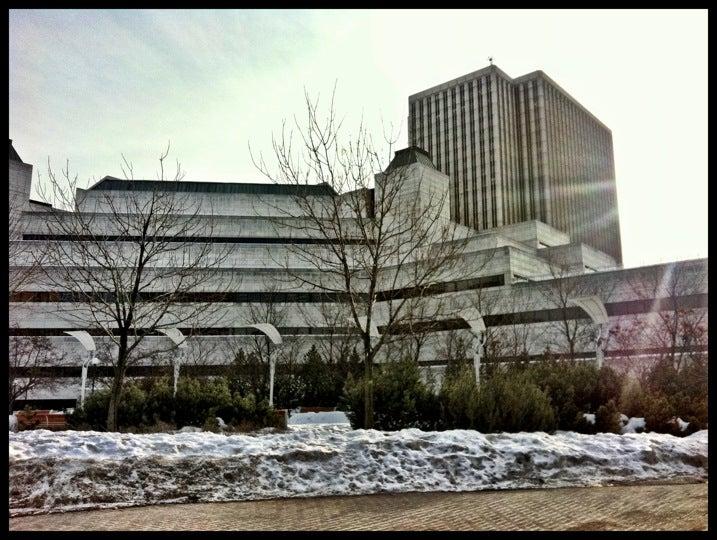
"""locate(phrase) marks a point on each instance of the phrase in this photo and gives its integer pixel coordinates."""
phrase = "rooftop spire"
(406, 156)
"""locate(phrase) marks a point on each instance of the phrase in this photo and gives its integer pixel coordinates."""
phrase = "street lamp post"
(475, 320)
(270, 331)
(85, 365)
(175, 334)
(595, 309)
(88, 343)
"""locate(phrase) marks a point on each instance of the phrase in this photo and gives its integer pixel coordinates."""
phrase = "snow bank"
(589, 418)
(633, 424)
(326, 417)
(68, 470)
(190, 429)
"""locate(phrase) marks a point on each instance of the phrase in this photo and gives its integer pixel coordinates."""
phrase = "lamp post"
(270, 331)
(88, 343)
(85, 365)
(595, 309)
(475, 320)
(175, 334)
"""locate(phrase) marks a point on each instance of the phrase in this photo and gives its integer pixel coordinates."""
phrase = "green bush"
(667, 393)
(288, 389)
(607, 418)
(248, 374)
(401, 399)
(582, 425)
(574, 388)
(505, 401)
(632, 399)
(132, 406)
(212, 424)
(149, 406)
(458, 397)
(511, 402)
(94, 415)
(198, 398)
(160, 403)
(658, 411)
(608, 387)
(319, 381)
(247, 413)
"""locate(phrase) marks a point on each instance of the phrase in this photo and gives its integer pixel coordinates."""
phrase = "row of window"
(265, 296)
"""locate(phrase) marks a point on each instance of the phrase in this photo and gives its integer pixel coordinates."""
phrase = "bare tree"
(673, 328)
(129, 261)
(380, 242)
(335, 344)
(514, 340)
(27, 363)
(25, 263)
(567, 284)
(267, 311)
(27, 355)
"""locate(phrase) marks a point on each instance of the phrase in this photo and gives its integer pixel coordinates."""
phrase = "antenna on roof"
(490, 59)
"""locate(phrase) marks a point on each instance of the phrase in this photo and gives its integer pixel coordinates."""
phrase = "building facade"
(517, 150)
(519, 284)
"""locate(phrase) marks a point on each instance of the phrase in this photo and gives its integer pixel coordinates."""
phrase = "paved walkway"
(646, 507)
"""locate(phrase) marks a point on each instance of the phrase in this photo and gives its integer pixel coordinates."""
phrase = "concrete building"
(517, 150)
(519, 274)
(19, 182)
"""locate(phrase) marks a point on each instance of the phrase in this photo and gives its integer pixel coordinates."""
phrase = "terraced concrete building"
(519, 149)
(520, 275)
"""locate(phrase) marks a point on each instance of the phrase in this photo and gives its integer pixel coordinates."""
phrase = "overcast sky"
(90, 85)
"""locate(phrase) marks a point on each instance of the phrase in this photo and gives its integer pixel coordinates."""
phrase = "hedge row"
(148, 405)
(541, 396)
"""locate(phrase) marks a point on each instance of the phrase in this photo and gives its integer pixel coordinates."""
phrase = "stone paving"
(643, 507)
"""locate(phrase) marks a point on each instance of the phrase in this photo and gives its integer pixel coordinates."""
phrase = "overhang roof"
(110, 183)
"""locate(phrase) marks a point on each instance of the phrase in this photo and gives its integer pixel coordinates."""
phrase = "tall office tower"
(517, 150)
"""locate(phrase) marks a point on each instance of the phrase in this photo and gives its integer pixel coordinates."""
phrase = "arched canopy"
(84, 338)
(270, 331)
(175, 334)
(593, 306)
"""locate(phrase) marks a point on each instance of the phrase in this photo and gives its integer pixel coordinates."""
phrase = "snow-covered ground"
(68, 470)
(633, 425)
(313, 418)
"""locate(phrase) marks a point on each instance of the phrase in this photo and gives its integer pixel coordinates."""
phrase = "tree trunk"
(117, 382)
(368, 385)
(115, 396)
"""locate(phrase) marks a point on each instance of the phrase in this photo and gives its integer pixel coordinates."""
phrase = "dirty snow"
(71, 470)
(633, 424)
(326, 417)
(589, 418)
(190, 429)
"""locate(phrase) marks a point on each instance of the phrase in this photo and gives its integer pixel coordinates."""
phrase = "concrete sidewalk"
(643, 507)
